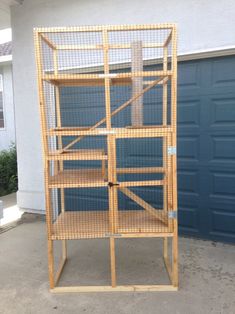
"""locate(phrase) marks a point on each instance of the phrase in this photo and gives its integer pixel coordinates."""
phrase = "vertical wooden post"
(51, 263)
(107, 79)
(165, 247)
(165, 155)
(61, 163)
(113, 211)
(174, 161)
(40, 91)
(55, 61)
(164, 101)
(46, 166)
(103, 169)
(111, 157)
(165, 191)
(137, 83)
(113, 262)
(49, 214)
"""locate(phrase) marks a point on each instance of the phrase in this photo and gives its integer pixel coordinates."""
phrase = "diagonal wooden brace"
(124, 105)
(144, 204)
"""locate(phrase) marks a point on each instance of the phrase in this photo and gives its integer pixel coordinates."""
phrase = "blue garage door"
(206, 146)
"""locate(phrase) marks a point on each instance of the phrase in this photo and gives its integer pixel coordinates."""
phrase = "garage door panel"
(77, 104)
(219, 219)
(223, 148)
(222, 202)
(222, 183)
(219, 205)
(188, 181)
(188, 113)
(86, 199)
(223, 72)
(188, 148)
(189, 79)
(189, 200)
(188, 219)
(222, 111)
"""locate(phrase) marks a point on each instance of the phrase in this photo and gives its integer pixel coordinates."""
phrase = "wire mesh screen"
(108, 117)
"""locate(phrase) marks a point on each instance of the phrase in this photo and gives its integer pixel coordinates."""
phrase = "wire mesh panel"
(83, 214)
(108, 116)
(107, 109)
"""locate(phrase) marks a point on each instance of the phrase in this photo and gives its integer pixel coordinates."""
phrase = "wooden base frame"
(171, 269)
(127, 288)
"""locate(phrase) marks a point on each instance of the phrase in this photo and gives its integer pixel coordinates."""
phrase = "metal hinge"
(171, 150)
(172, 214)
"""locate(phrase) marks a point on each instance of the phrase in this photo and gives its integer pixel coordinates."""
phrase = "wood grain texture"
(95, 224)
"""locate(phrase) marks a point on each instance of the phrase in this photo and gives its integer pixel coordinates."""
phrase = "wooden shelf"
(149, 131)
(75, 178)
(63, 81)
(69, 79)
(79, 154)
(78, 178)
(80, 225)
(95, 224)
(139, 221)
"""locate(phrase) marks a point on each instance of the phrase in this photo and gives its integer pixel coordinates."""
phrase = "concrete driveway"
(207, 275)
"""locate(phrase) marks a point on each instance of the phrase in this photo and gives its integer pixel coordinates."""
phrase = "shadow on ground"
(207, 275)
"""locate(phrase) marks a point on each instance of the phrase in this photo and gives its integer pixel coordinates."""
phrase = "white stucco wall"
(203, 25)
(7, 135)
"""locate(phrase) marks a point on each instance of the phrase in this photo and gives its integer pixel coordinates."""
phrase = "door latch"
(110, 184)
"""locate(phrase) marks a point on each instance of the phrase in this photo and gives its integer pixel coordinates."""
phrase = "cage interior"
(107, 114)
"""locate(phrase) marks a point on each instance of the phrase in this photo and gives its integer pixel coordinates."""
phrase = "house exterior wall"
(203, 25)
(7, 134)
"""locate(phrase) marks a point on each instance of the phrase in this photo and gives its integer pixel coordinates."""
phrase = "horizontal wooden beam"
(110, 46)
(71, 289)
(118, 132)
(79, 47)
(138, 133)
(68, 76)
(141, 170)
(104, 27)
(125, 184)
(79, 154)
(120, 235)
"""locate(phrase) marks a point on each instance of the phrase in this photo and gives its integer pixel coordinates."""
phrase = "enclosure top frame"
(40, 35)
(92, 28)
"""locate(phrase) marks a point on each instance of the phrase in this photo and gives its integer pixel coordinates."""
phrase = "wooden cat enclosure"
(108, 116)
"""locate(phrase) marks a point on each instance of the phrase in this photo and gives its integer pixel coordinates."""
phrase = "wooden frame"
(115, 225)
